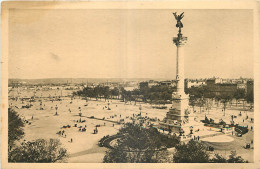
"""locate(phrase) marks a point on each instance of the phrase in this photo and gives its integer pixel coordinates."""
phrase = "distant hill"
(75, 80)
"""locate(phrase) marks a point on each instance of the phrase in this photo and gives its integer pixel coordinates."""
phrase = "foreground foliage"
(140, 145)
(196, 152)
(233, 158)
(39, 151)
(15, 124)
(192, 152)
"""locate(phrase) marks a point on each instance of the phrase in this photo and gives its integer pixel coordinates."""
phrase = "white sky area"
(128, 43)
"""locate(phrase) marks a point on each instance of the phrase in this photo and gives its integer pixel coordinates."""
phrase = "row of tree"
(98, 92)
(163, 94)
(154, 94)
(201, 96)
(204, 91)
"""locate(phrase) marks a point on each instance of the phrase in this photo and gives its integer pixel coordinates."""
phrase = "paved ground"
(84, 146)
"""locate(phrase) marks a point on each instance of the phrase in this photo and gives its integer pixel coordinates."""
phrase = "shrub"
(39, 151)
(233, 158)
(192, 152)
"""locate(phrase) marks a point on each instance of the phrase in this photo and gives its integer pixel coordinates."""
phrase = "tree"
(116, 155)
(98, 92)
(191, 152)
(239, 94)
(196, 152)
(208, 104)
(15, 124)
(225, 98)
(39, 151)
(218, 159)
(192, 102)
(115, 92)
(106, 92)
(139, 145)
(123, 93)
(218, 99)
(250, 97)
(233, 158)
(201, 102)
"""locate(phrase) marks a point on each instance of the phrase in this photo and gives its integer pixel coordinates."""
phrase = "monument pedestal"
(180, 119)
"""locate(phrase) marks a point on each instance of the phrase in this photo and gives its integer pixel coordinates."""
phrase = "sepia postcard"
(130, 84)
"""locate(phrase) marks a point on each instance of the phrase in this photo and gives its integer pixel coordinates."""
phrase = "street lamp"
(80, 111)
(108, 106)
(140, 108)
(41, 105)
(56, 107)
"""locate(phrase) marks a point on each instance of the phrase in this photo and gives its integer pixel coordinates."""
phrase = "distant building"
(129, 88)
(242, 86)
(221, 88)
(166, 83)
(211, 82)
(152, 83)
(194, 83)
(250, 86)
(225, 88)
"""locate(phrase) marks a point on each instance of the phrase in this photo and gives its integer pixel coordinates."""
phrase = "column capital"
(180, 41)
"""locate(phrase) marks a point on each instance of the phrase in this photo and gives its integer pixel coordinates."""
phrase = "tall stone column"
(180, 42)
(180, 99)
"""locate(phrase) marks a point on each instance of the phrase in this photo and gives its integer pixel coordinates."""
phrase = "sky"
(112, 43)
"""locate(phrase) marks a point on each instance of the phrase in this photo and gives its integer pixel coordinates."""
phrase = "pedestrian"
(198, 138)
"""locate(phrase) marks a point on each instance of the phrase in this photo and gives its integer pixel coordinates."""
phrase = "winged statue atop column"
(178, 18)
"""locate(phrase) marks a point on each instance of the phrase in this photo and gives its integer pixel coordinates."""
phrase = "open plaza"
(80, 134)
